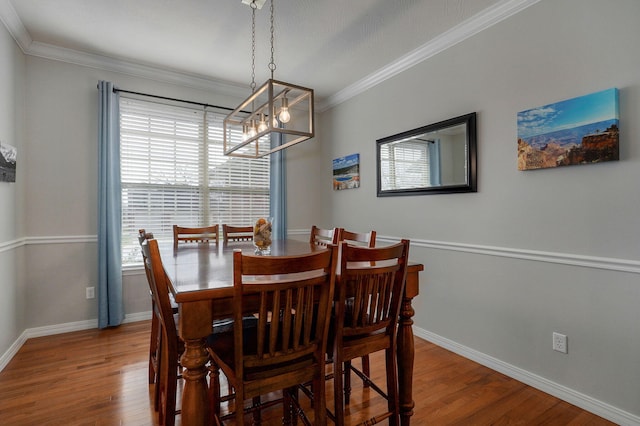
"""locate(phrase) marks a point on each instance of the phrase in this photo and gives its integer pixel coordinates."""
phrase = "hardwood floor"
(99, 377)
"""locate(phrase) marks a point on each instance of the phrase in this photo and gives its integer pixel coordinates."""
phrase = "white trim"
(571, 396)
(48, 51)
(570, 259)
(477, 23)
(14, 25)
(62, 239)
(596, 262)
(10, 245)
(69, 327)
(12, 351)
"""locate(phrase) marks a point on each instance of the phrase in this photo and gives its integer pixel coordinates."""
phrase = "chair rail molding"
(571, 259)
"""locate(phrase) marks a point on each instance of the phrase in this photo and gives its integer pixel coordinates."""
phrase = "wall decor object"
(581, 130)
(439, 158)
(8, 156)
(346, 172)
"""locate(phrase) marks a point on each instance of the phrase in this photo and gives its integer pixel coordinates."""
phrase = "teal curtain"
(278, 190)
(110, 303)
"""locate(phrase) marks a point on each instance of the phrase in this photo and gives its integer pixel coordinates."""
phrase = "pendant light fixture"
(277, 115)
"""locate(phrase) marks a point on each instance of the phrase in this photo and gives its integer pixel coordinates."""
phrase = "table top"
(205, 271)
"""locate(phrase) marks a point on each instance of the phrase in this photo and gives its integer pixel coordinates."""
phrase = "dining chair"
(204, 234)
(170, 345)
(292, 296)
(323, 237)
(236, 233)
(369, 295)
(366, 239)
(155, 320)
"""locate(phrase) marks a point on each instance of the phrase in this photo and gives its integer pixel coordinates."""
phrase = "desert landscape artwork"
(581, 130)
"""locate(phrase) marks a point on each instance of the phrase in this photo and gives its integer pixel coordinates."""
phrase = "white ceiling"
(333, 46)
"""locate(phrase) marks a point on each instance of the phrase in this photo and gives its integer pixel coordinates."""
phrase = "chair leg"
(338, 392)
(168, 384)
(287, 408)
(393, 401)
(153, 346)
(347, 382)
(366, 369)
(320, 400)
(257, 413)
(158, 367)
(214, 389)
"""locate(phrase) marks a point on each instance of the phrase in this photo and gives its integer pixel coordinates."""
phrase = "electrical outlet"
(560, 342)
(91, 292)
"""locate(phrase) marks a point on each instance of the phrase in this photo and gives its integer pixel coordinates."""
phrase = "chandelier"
(277, 115)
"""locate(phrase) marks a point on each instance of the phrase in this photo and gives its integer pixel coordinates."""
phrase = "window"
(173, 171)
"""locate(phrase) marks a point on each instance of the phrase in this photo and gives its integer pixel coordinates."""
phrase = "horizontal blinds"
(404, 165)
(238, 187)
(173, 172)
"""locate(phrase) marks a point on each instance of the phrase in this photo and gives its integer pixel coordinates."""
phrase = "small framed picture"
(8, 156)
(346, 172)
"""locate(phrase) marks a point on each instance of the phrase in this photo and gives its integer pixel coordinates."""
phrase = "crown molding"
(14, 25)
(48, 51)
(477, 23)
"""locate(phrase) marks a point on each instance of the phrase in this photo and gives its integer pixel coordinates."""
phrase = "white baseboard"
(51, 330)
(564, 393)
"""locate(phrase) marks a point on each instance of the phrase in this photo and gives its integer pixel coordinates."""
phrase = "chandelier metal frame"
(275, 116)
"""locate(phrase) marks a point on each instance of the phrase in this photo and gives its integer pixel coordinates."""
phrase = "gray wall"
(12, 302)
(531, 252)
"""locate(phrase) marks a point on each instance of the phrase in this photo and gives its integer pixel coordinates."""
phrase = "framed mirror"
(439, 158)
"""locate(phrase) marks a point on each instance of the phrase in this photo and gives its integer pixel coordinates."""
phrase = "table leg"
(405, 362)
(406, 345)
(195, 326)
(195, 402)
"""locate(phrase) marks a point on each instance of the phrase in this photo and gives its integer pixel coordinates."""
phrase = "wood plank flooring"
(99, 377)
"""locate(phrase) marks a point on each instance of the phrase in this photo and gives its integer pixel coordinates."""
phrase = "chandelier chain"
(272, 64)
(254, 6)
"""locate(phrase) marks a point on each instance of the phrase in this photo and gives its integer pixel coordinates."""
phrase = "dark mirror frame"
(471, 181)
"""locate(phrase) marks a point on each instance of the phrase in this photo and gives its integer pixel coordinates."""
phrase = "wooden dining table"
(201, 280)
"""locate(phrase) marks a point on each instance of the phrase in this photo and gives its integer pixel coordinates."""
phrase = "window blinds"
(173, 171)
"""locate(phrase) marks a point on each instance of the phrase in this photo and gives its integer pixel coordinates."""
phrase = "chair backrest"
(370, 289)
(366, 239)
(324, 237)
(292, 296)
(160, 292)
(194, 235)
(142, 237)
(237, 233)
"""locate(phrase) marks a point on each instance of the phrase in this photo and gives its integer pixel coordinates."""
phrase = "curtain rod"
(172, 99)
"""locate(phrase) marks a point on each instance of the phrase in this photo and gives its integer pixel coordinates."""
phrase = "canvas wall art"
(8, 156)
(346, 172)
(581, 130)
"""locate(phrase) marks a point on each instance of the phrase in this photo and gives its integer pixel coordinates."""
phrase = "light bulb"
(262, 125)
(252, 130)
(245, 136)
(284, 115)
(275, 119)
